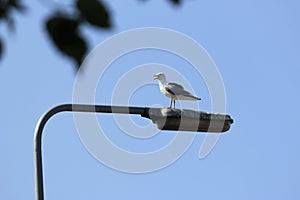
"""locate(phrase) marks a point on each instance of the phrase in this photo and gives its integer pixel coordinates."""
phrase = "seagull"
(173, 90)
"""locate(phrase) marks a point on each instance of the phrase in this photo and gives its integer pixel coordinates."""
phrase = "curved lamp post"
(164, 118)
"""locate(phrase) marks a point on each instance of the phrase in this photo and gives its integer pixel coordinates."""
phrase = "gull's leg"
(171, 103)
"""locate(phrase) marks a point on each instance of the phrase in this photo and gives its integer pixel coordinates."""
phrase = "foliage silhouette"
(64, 28)
(63, 31)
(1, 48)
(94, 12)
(6, 9)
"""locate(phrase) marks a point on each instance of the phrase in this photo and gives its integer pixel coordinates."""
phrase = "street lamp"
(164, 118)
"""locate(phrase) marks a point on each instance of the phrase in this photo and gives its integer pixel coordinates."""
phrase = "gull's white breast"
(164, 91)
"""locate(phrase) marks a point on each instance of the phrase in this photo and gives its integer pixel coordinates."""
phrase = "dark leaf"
(94, 12)
(17, 5)
(2, 12)
(64, 33)
(1, 48)
(176, 2)
(6, 9)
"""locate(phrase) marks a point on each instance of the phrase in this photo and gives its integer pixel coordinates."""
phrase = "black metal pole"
(38, 163)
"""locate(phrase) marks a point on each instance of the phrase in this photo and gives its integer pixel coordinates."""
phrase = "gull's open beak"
(155, 77)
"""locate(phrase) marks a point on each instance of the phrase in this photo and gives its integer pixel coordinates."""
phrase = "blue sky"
(255, 45)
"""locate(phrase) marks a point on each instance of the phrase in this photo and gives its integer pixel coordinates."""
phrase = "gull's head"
(159, 76)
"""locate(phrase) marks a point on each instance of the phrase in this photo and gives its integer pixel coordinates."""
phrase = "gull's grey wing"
(176, 89)
(175, 85)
